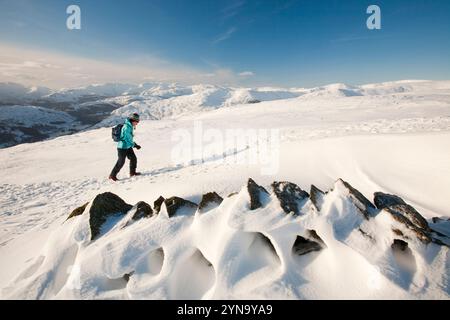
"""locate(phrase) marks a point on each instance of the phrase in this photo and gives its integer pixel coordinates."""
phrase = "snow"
(383, 139)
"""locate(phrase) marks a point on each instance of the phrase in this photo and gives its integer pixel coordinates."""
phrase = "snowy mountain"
(19, 124)
(96, 106)
(375, 224)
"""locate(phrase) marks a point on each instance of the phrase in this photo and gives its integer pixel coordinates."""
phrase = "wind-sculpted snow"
(344, 248)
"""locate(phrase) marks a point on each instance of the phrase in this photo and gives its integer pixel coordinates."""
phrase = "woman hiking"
(125, 147)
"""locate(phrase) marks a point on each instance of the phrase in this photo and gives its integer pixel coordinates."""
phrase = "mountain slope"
(397, 144)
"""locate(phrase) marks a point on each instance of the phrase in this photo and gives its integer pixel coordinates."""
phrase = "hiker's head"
(134, 118)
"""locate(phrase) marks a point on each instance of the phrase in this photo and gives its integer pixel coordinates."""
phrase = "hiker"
(125, 147)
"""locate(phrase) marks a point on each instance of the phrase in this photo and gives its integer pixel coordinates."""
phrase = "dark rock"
(127, 276)
(78, 211)
(209, 200)
(362, 203)
(398, 232)
(232, 194)
(399, 245)
(143, 210)
(289, 195)
(256, 192)
(174, 204)
(157, 204)
(316, 196)
(384, 200)
(437, 220)
(105, 205)
(312, 234)
(395, 204)
(303, 246)
(405, 214)
(312, 242)
(421, 234)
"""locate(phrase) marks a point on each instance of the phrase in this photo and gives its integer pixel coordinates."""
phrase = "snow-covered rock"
(236, 250)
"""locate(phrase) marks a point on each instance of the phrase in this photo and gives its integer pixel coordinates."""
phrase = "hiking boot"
(113, 178)
(132, 174)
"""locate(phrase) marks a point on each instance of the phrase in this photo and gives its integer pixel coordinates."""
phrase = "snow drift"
(284, 243)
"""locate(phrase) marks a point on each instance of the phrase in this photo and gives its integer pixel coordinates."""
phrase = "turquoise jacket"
(126, 136)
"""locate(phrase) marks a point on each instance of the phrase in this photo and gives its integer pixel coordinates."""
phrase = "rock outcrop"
(104, 206)
(209, 201)
(143, 210)
(289, 195)
(364, 206)
(78, 211)
(404, 214)
(308, 243)
(157, 204)
(316, 196)
(256, 193)
(176, 204)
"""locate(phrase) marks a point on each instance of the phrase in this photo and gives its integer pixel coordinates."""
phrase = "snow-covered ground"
(390, 137)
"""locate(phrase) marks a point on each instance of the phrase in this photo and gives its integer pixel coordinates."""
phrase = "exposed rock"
(312, 234)
(232, 194)
(362, 203)
(256, 192)
(143, 210)
(209, 200)
(157, 204)
(393, 203)
(398, 232)
(405, 214)
(399, 245)
(174, 204)
(289, 195)
(438, 220)
(127, 276)
(105, 205)
(384, 200)
(312, 242)
(316, 196)
(78, 211)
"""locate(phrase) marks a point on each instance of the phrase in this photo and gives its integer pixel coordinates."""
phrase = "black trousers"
(125, 153)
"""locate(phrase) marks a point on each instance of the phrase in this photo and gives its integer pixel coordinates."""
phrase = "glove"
(137, 146)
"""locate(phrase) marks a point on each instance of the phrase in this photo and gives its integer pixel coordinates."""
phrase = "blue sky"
(286, 43)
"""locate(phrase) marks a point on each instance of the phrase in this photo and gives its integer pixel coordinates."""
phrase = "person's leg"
(133, 160)
(122, 153)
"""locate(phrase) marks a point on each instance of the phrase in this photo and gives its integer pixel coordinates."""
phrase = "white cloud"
(246, 74)
(42, 68)
(225, 35)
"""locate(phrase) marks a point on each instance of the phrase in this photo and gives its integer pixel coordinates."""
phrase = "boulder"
(289, 195)
(104, 206)
(78, 211)
(157, 204)
(143, 210)
(395, 204)
(175, 204)
(311, 242)
(316, 196)
(209, 201)
(364, 206)
(256, 193)
(404, 214)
